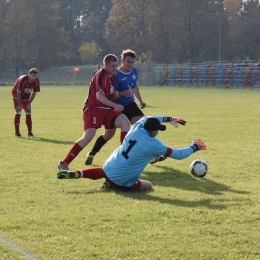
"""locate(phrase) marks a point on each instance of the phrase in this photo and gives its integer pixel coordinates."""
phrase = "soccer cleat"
(157, 159)
(67, 175)
(89, 159)
(63, 166)
(30, 135)
(106, 185)
(18, 135)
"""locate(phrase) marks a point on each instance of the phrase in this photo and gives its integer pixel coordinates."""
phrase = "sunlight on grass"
(181, 218)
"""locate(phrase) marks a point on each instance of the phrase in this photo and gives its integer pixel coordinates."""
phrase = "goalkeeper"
(125, 165)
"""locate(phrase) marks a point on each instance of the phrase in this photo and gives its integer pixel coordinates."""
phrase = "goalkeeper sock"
(91, 173)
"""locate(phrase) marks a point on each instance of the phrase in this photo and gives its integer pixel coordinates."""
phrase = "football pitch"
(217, 217)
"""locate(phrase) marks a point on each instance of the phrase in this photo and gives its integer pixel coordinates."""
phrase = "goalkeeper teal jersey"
(126, 163)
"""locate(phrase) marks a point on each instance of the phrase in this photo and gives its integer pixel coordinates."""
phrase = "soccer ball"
(199, 168)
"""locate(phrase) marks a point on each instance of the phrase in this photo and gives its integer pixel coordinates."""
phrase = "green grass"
(217, 217)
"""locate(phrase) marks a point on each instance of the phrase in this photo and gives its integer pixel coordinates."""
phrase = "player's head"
(98, 66)
(33, 74)
(110, 63)
(128, 60)
(152, 125)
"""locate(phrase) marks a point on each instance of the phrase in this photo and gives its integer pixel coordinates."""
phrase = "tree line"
(44, 34)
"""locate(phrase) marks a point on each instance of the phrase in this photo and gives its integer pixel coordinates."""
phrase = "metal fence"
(218, 74)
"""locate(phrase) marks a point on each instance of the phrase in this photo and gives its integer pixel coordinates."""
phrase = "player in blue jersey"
(126, 85)
(125, 165)
(96, 70)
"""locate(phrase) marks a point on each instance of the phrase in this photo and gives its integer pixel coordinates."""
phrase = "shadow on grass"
(173, 178)
(183, 181)
(47, 140)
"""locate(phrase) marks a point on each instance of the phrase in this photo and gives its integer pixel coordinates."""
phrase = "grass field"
(217, 217)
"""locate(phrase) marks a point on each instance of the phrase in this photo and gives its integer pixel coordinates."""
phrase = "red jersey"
(25, 87)
(100, 82)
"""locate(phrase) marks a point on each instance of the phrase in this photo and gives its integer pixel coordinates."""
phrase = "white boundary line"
(22, 251)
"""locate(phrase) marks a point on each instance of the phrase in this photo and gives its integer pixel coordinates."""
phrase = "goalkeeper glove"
(174, 120)
(198, 145)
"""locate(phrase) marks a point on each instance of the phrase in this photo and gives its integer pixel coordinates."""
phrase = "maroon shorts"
(23, 103)
(112, 185)
(95, 117)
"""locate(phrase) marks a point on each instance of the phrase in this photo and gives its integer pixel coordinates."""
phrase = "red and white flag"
(76, 69)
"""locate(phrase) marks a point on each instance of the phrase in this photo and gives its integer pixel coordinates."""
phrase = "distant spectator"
(95, 71)
(24, 92)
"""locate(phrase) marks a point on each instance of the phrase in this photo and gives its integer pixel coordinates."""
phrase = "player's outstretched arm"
(182, 153)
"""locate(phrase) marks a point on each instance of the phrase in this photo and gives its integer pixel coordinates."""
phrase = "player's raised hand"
(198, 145)
(177, 120)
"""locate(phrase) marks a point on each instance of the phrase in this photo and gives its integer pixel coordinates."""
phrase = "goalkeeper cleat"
(67, 175)
(30, 135)
(89, 159)
(63, 166)
(18, 135)
(157, 159)
(106, 185)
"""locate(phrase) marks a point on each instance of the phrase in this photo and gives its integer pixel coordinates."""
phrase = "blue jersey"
(123, 82)
(94, 72)
(126, 163)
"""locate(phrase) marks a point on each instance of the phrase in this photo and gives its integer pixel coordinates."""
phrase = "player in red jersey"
(24, 92)
(99, 109)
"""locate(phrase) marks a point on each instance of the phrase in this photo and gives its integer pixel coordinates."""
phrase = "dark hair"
(128, 52)
(110, 58)
(33, 71)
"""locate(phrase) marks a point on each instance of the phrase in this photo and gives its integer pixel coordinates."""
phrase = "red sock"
(74, 151)
(28, 121)
(17, 123)
(91, 173)
(122, 136)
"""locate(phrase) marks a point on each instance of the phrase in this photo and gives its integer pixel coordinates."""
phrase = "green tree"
(232, 44)
(250, 28)
(96, 13)
(90, 53)
(4, 5)
(126, 26)
(34, 36)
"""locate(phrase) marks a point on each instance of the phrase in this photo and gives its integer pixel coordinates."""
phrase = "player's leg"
(100, 142)
(77, 148)
(133, 112)
(89, 173)
(28, 118)
(122, 122)
(28, 121)
(114, 119)
(17, 117)
(139, 185)
(145, 185)
(92, 119)
(135, 119)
